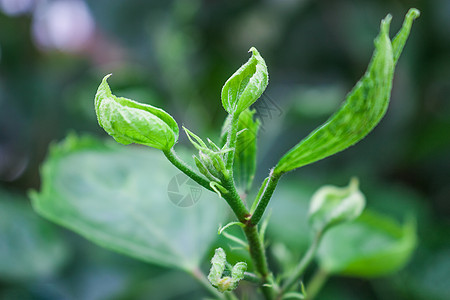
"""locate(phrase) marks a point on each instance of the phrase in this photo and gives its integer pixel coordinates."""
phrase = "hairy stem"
(234, 200)
(266, 194)
(301, 267)
(231, 142)
(257, 252)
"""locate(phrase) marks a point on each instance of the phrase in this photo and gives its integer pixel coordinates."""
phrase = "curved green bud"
(237, 273)
(128, 121)
(332, 205)
(226, 283)
(246, 85)
(217, 266)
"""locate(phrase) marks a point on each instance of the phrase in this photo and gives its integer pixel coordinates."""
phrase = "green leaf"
(128, 121)
(363, 109)
(400, 38)
(372, 245)
(246, 85)
(332, 205)
(118, 197)
(30, 247)
(246, 151)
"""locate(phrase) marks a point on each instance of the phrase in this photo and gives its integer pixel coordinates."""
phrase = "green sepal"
(332, 205)
(128, 121)
(363, 109)
(210, 160)
(246, 85)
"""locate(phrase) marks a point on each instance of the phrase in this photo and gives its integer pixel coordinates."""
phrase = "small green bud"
(128, 121)
(332, 205)
(246, 85)
(225, 283)
(237, 273)
(210, 159)
(217, 266)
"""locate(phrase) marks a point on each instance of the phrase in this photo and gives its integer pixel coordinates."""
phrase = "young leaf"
(128, 121)
(106, 193)
(363, 109)
(246, 150)
(331, 205)
(246, 85)
(373, 245)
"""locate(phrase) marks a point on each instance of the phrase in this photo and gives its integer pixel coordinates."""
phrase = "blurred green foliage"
(177, 55)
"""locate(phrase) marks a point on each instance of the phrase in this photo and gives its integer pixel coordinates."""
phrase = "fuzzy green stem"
(258, 255)
(301, 267)
(266, 194)
(234, 200)
(231, 142)
(186, 169)
(316, 283)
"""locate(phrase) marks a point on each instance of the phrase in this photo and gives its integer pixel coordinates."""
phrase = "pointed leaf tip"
(246, 85)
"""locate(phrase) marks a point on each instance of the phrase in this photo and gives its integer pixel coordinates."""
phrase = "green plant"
(227, 169)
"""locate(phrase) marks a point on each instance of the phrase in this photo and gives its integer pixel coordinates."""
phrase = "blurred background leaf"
(108, 195)
(371, 246)
(30, 248)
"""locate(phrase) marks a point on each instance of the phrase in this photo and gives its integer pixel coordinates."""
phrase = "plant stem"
(267, 193)
(201, 278)
(258, 255)
(186, 169)
(301, 267)
(234, 200)
(316, 283)
(231, 142)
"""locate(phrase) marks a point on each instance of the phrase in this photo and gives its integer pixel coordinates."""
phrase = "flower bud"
(246, 85)
(332, 205)
(128, 121)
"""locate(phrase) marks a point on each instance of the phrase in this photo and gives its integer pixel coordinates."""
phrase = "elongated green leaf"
(30, 247)
(128, 121)
(246, 85)
(371, 246)
(246, 151)
(118, 197)
(332, 205)
(363, 109)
